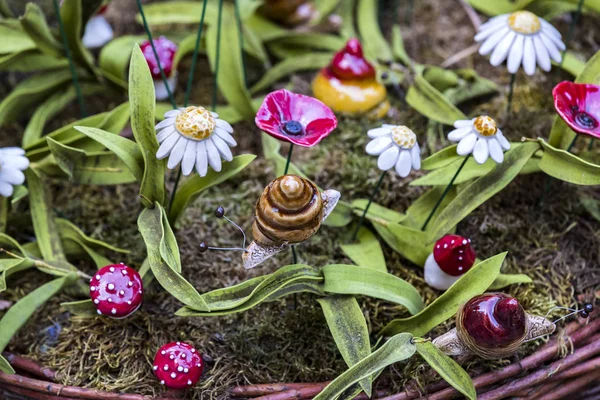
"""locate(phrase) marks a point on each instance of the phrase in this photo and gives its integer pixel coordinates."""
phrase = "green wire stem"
(241, 39)
(188, 89)
(63, 35)
(364, 214)
(289, 159)
(510, 93)
(218, 57)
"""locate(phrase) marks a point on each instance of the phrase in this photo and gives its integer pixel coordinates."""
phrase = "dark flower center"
(585, 120)
(292, 128)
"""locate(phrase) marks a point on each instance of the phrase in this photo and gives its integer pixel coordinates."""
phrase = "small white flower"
(194, 137)
(12, 162)
(98, 32)
(481, 137)
(396, 145)
(522, 37)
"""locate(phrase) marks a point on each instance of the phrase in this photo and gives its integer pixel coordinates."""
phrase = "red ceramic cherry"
(349, 63)
(165, 49)
(116, 291)
(178, 365)
(454, 254)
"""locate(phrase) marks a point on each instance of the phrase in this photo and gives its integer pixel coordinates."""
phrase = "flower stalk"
(364, 214)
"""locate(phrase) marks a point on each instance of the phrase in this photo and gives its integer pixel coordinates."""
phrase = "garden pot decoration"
(289, 12)
(492, 326)
(289, 211)
(178, 365)
(578, 105)
(98, 31)
(12, 164)
(349, 85)
(451, 258)
(166, 50)
(116, 291)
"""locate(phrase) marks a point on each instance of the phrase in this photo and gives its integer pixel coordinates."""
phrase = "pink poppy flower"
(295, 118)
(579, 106)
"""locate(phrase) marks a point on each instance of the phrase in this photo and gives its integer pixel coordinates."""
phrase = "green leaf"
(151, 226)
(30, 60)
(141, 97)
(349, 330)
(470, 86)
(428, 101)
(409, 242)
(82, 308)
(591, 71)
(178, 12)
(347, 13)
(193, 187)
(398, 46)
(169, 250)
(476, 281)
(5, 10)
(34, 23)
(504, 280)
(419, 210)
(324, 8)
(481, 190)
(69, 231)
(5, 366)
(115, 55)
(377, 213)
(563, 165)
(71, 14)
(398, 348)
(448, 369)
(18, 314)
(592, 206)
(127, 150)
(376, 48)
(340, 216)
(307, 41)
(572, 64)
(14, 39)
(367, 252)
(9, 267)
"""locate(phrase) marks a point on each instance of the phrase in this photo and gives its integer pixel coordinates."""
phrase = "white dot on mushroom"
(111, 286)
(173, 375)
(112, 269)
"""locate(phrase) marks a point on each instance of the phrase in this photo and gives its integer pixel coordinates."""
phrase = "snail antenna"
(220, 213)
(583, 313)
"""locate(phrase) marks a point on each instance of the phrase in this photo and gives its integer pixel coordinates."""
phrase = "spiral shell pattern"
(290, 210)
(492, 325)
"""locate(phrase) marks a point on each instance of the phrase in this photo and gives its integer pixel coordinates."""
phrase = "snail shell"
(492, 325)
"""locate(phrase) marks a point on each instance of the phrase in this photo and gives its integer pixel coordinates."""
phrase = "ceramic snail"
(290, 210)
(492, 325)
(289, 12)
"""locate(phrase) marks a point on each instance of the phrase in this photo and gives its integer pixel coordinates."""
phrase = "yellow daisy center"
(404, 137)
(485, 126)
(524, 22)
(195, 123)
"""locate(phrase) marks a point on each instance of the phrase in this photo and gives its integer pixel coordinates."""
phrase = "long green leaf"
(178, 12)
(476, 281)
(428, 101)
(115, 56)
(410, 242)
(71, 13)
(566, 166)
(504, 280)
(367, 252)
(29, 61)
(398, 348)
(376, 48)
(34, 23)
(82, 308)
(5, 366)
(169, 250)
(448, 369)
(441, 159)
(10, 267)
(14, 39)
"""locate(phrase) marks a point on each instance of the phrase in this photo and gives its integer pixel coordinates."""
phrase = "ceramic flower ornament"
(12, 163)
(166, 50)
(196, 138)
(522, 39)
(396, 147)
(349, 85)
(480, 137)
(295, 118)
(578, 105)
(98, 31)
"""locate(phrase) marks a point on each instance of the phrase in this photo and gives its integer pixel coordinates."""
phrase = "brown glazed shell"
(290, 210)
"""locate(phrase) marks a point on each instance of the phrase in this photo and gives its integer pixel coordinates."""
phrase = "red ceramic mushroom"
(578, 104)
(350, 63)
(116, 291)
(452, 257)
(166, 50)
(178, 365)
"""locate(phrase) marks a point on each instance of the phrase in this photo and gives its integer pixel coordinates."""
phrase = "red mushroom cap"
(454, 254)
(102, 9)
(178, 365)
(116, 291)
(165, 49)
(349, 63)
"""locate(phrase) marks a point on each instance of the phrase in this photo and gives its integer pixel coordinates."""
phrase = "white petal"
(551, 47)
(166, 146)
(12, 151)
(481, 151)
(214, 159)
(404, 164)
(457, 134)
(498, 19)
(166, 122)
(223, 134)
(177, 153)
(548, 27)
(15, 161)
(529, 56)
(502, 140)
(555, 39)
(214, 114)
(201, 159)
(465, 146)
(224, 150)
(463, 122)
(485, 32)
(165, 133)
(415, 154)
(436, 277)
(516, 54)
(6, 189)
(490, 43)
(541, 53)
(97, 32)
(377, 132)
(189, 158)
(173, 113)
(12, 176)
(496, 151)
(388, 158)
(221, 123)
(501, 51)
(377, 146)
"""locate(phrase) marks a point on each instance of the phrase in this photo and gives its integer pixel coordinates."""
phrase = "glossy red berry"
(116, 290)
(165, 49)
(178, 365)
(349, 63)
(454, 254)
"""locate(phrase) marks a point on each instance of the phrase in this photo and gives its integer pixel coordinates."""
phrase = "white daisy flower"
(396, 145)
(523, 38)
(194, 137)
(481, 137)
(12, 163)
